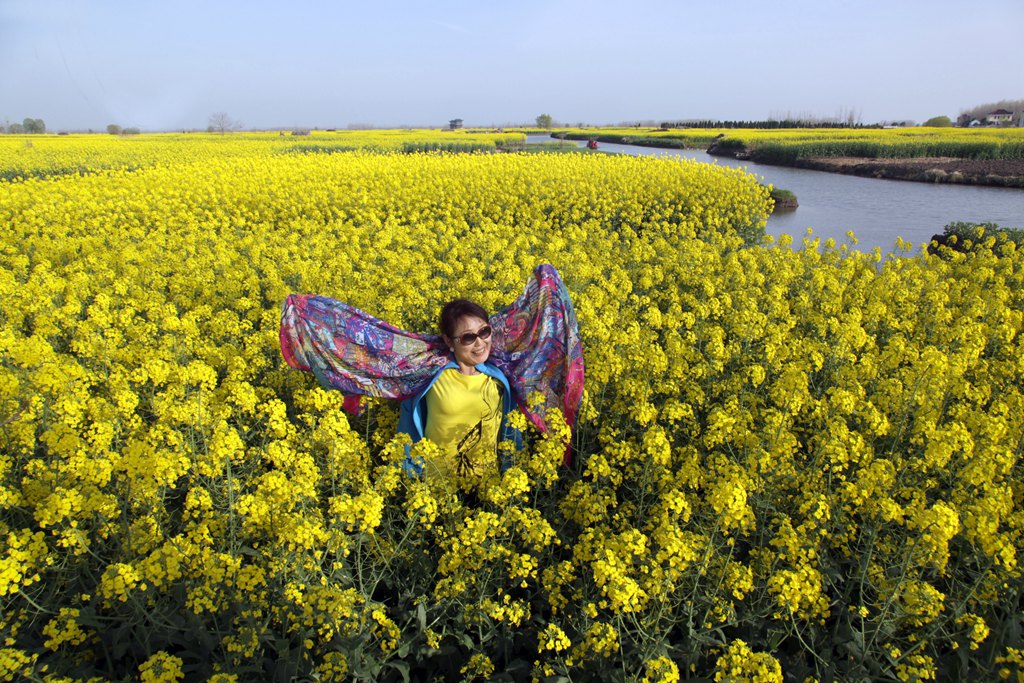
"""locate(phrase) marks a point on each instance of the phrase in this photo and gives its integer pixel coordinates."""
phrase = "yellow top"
(463, 418)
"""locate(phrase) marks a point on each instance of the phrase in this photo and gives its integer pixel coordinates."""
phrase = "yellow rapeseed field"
(36, 156)
(799, 462)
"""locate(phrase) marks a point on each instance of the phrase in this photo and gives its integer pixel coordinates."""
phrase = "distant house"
(999, 117)
(455, 124)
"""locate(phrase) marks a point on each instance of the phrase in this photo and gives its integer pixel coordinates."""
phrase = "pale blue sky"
(81, 64)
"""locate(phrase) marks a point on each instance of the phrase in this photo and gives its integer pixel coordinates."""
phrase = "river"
(876, 210)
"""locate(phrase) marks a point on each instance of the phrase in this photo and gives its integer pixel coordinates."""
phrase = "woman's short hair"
(458, 308)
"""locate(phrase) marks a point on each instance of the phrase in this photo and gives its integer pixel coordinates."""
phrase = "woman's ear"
(448, 342)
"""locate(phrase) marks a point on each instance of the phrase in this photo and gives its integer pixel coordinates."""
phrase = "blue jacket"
(413, 417)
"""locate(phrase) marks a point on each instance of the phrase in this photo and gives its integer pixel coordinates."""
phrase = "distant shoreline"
(952, 170)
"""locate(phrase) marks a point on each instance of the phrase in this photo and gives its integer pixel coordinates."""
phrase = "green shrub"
(784, 199)
(966, 236)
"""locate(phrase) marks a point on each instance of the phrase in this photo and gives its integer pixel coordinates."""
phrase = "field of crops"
(42, 156)
(787, 145)
(791, 464)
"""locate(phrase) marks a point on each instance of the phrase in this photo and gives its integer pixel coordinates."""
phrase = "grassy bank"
(987, 156)
(783, 146)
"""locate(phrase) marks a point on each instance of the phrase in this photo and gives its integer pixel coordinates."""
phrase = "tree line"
(219, 123)
(768, 123)
(26, 126)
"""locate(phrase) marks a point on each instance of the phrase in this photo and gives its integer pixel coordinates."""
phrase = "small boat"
(592, 144)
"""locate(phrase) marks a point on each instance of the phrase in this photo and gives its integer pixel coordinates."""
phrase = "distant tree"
(34, 126)
(114, 129)
(221, 123)
(15, 129)
(848, 117)
(938, 122)
(544, 121)
(130, 131)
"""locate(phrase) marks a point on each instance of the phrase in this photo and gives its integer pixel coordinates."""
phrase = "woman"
(529, 348)
(462, 409)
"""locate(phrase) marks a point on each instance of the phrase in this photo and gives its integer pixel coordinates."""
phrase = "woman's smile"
(478, 332)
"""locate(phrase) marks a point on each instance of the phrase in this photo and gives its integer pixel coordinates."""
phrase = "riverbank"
(992, 172)
(875, 211)
(922, 163)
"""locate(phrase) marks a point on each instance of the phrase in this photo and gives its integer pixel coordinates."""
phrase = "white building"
(999, 117)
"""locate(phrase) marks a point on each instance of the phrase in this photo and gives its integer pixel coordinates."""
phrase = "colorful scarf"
(536, 343)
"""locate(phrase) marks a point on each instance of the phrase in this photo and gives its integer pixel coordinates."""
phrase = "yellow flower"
(751, 416)
(554, 639)
(916, 667)
(977, 629)
(739, 664)
(161, 668)
(661, 670)
(478, 666)
(64, 629)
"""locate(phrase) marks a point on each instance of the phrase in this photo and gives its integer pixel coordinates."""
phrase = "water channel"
(876, 210)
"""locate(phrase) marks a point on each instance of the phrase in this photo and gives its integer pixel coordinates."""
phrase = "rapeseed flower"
(762, 428)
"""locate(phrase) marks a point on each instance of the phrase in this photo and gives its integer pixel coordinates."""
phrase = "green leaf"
(401, 667)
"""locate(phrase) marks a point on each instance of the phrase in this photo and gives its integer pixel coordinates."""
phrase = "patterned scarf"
(536, 343)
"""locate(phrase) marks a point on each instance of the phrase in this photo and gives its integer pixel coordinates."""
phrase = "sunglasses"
(471, 337)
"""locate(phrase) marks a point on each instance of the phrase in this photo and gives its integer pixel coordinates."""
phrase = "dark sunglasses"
(471, 337)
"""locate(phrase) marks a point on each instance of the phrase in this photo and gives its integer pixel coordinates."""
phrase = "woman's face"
(479, 349)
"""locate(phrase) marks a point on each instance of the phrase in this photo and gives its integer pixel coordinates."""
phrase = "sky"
(84, 64)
